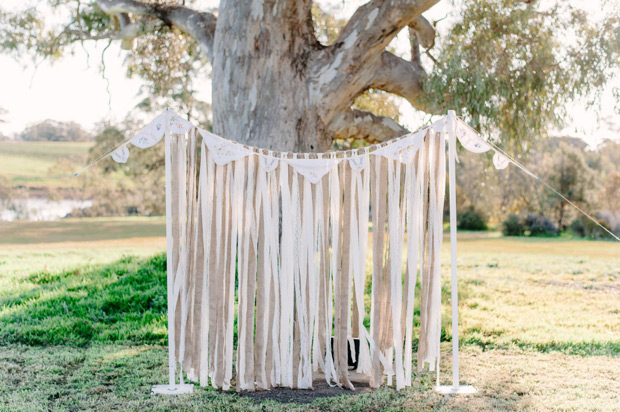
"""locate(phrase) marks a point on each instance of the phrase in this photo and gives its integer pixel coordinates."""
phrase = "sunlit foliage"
(511, 67)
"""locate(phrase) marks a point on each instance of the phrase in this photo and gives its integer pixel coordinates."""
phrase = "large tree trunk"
(275, 86)
(260, 84)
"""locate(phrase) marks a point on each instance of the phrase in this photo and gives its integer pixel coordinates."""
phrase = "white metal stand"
(459, 389)
(183, 388)
(171, 388)
(455, 387)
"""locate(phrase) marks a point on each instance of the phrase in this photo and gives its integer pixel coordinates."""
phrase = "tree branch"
(401, 77)
(414, 44)
(375, 24)
(200, 25)
(425, 30)
(344, 69)
(362, 124)
(127, 31)
(421, 32)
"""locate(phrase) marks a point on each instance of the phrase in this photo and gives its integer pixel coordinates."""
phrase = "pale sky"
(71, 89)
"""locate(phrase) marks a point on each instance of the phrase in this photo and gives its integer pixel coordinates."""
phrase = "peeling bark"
(275, 86)
(260, 76)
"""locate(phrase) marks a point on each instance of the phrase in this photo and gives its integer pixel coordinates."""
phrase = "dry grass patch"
(82, 317)
(526, 380)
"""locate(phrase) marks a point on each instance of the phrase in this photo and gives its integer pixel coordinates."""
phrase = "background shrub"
(472, 220)
(539, 225)
(584, 227)
(513, 226)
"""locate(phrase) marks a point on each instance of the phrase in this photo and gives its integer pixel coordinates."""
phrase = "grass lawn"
(27, 163)
(128, 230)
(83, 325)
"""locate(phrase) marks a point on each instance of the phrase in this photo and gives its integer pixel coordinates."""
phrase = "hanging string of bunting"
(467, 136)
(270, 254)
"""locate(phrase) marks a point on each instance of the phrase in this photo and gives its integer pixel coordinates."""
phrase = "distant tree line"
(55, 131)
(518, 204)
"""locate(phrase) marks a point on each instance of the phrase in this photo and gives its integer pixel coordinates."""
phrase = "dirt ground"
(320, 389)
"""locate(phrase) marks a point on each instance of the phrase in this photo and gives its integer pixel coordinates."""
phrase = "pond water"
(41, 209)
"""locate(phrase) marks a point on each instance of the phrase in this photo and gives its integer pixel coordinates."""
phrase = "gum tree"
(277, 85)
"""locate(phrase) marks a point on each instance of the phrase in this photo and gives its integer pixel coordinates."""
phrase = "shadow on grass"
(569, 348)
(125, 302)
(122, 302)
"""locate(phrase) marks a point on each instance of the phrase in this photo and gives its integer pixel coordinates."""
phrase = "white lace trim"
(439, 125)
(223, 151)
(152, 133)
(269, 163)
(121, 154)
(470, 140)
(313, 169)
(500, 161)
(177, 124)
(404, 149)
(473, 142)
(358, 163)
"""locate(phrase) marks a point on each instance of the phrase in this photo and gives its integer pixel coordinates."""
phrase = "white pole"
(171, 388)
(455, 291)
(169, 254)
(455, 388)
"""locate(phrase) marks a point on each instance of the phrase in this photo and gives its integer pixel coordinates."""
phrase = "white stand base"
(172, 389)
(449, 389)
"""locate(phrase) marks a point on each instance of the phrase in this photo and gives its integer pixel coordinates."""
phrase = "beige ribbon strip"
(342, 306)
(250, 233)
(263, 283)
(424, 269)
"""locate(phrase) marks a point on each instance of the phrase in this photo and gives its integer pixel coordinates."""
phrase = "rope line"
(520, 166)
(103, 156)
